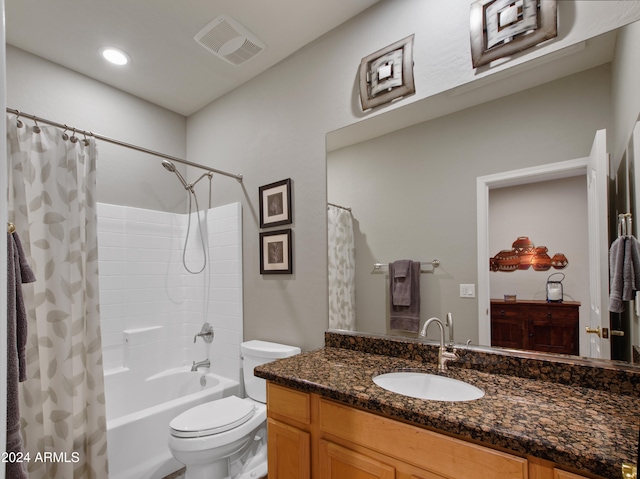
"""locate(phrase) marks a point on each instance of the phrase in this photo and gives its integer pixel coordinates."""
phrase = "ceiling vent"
(227, 39)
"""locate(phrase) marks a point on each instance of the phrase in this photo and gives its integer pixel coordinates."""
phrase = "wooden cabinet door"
(553, 329)
(337, 462)
(289, 451)
(508, 327)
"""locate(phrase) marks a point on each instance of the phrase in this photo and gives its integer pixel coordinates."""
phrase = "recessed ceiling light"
(115, 56)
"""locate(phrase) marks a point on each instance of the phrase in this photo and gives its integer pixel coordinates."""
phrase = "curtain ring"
(36, 128)
(19, 124)
(85, 141)
(65, 137)
(74, 138)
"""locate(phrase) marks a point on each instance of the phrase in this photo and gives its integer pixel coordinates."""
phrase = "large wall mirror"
(411, 193)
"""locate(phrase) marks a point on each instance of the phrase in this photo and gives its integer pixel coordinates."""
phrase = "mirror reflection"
(412, 194)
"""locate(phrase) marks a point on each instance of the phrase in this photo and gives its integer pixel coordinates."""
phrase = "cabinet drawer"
(419, 447)
(504, 311)
(288, 403)
(551, 312)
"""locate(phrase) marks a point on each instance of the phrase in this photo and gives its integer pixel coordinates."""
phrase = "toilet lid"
(212, 418)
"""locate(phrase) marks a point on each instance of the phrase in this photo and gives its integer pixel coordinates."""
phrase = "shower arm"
(208, 174)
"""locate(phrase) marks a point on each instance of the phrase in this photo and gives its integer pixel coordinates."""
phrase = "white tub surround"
(151, 310)
(152, 307)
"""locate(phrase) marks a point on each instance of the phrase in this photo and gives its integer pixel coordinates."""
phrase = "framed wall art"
(275, 204)
(500, 28)
(276, 252)
(387, 74)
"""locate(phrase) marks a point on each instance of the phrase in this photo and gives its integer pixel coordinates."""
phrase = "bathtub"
(139, 412)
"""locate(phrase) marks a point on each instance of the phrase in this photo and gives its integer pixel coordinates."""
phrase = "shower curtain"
(342, 269)
(52, 204)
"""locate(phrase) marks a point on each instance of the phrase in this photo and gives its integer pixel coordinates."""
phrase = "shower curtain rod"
(338, 206)
(35, 118)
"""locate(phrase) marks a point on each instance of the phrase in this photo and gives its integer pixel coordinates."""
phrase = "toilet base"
(244, 459)
(254, 468)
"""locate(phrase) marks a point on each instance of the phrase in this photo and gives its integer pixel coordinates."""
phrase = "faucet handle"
(206, 333)
(446, 357)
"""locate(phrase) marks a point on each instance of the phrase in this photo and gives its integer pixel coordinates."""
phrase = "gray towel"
(634, 253)
(616, 275)
(401, 290)
(405, 317)
(624, 272)
(628, 274)
(18, 272)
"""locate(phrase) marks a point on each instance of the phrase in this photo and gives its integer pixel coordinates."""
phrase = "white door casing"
(595, 165)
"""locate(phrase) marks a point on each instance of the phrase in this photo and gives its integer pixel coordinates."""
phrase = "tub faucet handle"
(206, 333)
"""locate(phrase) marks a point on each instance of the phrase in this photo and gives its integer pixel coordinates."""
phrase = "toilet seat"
(212, 418)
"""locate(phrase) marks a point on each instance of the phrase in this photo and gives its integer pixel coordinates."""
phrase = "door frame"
(535, 174)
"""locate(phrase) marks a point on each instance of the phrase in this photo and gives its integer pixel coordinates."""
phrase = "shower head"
(169, 166)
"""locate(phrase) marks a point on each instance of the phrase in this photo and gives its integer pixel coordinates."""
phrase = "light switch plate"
(467, 290)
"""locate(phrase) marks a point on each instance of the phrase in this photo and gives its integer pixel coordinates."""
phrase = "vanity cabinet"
(535, 325)
(313, 437)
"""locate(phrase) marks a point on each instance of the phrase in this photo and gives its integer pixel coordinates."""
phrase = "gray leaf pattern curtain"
(52, 203)
(342, 269)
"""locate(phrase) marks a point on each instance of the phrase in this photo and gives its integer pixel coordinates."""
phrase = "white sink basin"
(428, 386)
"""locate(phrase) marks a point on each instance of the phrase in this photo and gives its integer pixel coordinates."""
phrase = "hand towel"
(624, 272)
(627, 272)
(401, 291)
(26, 275)
(406, 318)
(634, 247)
(18, 271)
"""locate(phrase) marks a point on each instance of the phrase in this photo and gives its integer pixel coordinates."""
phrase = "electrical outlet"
(467, 290)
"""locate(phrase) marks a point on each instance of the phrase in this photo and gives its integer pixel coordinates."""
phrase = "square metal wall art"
(500, 28)
(387, 74)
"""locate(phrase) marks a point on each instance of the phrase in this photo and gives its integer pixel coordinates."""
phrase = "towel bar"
(435, 263)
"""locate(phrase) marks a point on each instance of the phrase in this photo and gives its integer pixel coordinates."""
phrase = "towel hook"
(625, 222)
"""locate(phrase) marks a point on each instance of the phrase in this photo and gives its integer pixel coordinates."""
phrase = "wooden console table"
(535, 325)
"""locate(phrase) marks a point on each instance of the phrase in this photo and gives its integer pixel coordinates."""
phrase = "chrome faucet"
(201, 364)
(443, 354)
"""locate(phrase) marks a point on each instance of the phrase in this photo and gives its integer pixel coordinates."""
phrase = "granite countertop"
(582, 428)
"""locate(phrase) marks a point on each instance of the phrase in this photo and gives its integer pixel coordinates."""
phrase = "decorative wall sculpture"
(500, 28)
(387, 74)
(524, 255)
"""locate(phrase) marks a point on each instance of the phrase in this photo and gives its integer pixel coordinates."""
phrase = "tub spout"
(201, 364)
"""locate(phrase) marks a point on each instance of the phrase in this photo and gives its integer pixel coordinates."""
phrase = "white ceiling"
(168, 67)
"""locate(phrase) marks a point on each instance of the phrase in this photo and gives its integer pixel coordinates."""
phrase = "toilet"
(227, 438)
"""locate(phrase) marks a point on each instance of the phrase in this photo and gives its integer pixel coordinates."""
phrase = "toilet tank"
(255, 353)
